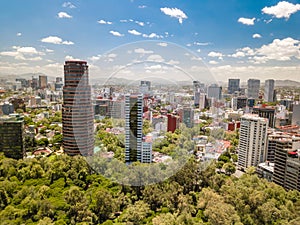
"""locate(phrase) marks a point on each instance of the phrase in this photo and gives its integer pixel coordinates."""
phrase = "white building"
(253, 140)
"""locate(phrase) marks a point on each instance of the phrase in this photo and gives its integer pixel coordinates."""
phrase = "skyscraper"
(77, 111)
(253, 88)
(253, 140)
(214, 91)
(43, 81)
(269, 90)
(233, 85)
(133, 127)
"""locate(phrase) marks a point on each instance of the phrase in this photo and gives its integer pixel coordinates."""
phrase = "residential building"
(77, 111)
(253, 140)
(266, 112)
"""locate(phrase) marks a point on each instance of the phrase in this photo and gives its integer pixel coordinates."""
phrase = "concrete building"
(253, 88)
(145, 87)
(133, 127)
(43, 81)
(269, 90)
(146, 154)
(296, 114)
(253, 140)
(77, 111)
(287, 163)
(11, 136)
(233, 85)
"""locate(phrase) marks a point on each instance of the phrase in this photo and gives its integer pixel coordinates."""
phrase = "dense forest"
(65, 190)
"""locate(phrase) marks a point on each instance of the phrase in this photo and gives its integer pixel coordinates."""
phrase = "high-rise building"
(214, 91)
(188, 117)
(233, 85)
(198, 89)
(133, 127)
(296, 114)
(253, 88)
(269, 90)
(173, 122)
(266, 112)
(146, 154)
(77, 111)
(43, 81)
(287, 163)
(253, 140)
(11, 136)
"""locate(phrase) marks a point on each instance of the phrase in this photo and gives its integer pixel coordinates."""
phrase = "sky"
(230, 39)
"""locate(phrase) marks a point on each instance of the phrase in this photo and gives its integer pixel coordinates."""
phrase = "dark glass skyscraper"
(77, 111)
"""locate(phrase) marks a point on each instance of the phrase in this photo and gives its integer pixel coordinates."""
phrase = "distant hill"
(286, 83)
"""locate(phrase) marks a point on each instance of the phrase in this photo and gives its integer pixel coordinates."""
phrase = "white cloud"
(152, 35)
(202, 43)
(49, 50)
(123, 21)
(68, 5)
(64, 15)
(173, 62)
(199, 50)
(282, 50)
(238, 54)
(134, 32)
(282, 10)
(56, 40)
(142, 51)
(189, 45)
(71, 58)
(153, 67)
(19, 34)
(142, 6)
(174, 12)
(23, 53)
(163, 44)
(155, 58)
(246, 21)
(215, 54)
(104, 22)
(116, 33)
(256, 36)
(213, 62)
(140, 23)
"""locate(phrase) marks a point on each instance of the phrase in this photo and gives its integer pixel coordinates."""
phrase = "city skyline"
(232, 39)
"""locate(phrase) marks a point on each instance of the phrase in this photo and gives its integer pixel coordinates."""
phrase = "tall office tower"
(253, 140)
(188, 117)
(214, 91)
(43, 81)
(269, 90)
(253, 88)
(133, 127)
(266, 112)
(198, 89)
(34, 83)
(77, 111)
(296, 114)
(287, 163)
(274, 140)
(11, 136)
(233, 85)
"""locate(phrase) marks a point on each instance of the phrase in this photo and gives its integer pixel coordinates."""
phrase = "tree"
(136, 213)
(229, 168)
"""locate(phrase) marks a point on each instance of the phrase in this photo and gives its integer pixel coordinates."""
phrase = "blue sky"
(232, 38)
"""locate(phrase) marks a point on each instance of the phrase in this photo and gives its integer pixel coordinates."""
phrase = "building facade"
(77, 111)
(233, 85)
(133, 127)
(11, 136)
(253, 86)
(214, 91)
(269, 90)
(253, 140)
